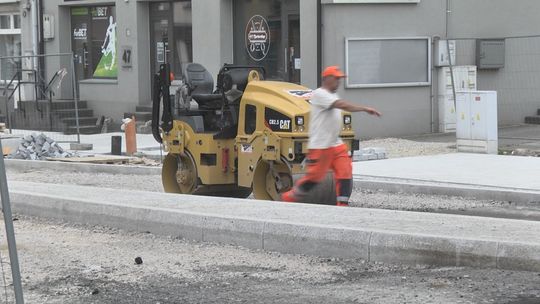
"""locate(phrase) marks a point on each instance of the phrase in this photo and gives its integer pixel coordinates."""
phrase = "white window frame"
(389, 85)
(12, 30)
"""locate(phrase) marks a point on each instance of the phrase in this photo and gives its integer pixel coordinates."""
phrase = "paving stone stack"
(369, 154)
(39, 147)
(534, 120)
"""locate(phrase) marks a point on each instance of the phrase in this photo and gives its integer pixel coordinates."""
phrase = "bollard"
(131, 137)
(116, 145)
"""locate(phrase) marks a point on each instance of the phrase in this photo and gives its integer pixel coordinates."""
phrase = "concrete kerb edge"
(389, 186)
(26, 165)
(448, 190)
(377, 246)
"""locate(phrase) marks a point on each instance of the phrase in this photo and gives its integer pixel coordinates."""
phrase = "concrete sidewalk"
(373, 235)
(482, 176)
(146, 144)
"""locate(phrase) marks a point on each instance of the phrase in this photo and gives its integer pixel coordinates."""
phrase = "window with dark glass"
(94, 41)
(10, 45)
(17, 21)
(267, 33)
(171, 38)
(250, 119)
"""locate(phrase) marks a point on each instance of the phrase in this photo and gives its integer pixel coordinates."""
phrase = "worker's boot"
(289, 197)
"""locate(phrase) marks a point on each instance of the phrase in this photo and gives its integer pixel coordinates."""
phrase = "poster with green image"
(107, 66)
(108, 63)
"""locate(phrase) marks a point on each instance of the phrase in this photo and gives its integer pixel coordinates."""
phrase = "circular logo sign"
(257, 38)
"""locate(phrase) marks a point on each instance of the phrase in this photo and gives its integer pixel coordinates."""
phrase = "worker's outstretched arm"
(351, 107)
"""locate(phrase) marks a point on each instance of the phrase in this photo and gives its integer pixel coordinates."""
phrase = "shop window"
(10, 45)
(171, 35)
(94, 41)
(250, 119)
(267, 33)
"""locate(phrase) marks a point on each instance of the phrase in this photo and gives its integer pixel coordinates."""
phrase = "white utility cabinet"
(443, 58)
(476, 128)
(465, 79)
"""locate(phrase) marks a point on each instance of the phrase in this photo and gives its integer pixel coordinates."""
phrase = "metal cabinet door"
(479, 119)
(463, 109)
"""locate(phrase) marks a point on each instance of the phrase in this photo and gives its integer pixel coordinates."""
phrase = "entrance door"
(171, 35)
(267, 33)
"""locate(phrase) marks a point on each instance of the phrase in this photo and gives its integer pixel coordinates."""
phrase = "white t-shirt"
(325, 121)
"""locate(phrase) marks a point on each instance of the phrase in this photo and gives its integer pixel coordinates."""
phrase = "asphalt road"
(64, 263)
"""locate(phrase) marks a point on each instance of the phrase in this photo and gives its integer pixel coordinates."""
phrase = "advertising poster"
(105, 43)
(94, 41)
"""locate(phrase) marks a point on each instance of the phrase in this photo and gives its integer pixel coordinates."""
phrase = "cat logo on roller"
(246, 135)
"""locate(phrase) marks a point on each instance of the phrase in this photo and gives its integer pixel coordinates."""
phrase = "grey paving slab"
(378, 235)
(504, 172)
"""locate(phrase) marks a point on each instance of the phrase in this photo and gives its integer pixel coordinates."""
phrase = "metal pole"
(75, 97)
(451, 64)
(10, 232)
(319, 43)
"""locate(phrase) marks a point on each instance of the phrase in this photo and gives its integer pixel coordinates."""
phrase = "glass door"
(160, 35)
(267, 33)
(171, 35)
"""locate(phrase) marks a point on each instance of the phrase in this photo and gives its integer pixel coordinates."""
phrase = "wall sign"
(257, 38)
(80, 33)
(160, 51)
(127, 52)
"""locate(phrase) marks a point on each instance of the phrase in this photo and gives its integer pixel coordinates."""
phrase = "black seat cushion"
(198, 79)
(208, 101)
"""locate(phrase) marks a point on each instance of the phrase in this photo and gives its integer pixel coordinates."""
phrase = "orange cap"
(333, 71)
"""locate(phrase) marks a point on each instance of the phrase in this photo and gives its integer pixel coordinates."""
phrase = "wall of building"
(212, 32)
(9, 7)
(309, 43)
(518, 83)
(408, 110)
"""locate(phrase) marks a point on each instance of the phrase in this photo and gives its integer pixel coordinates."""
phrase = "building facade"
(387, 47)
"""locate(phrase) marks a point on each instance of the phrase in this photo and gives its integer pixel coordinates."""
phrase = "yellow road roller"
(244, 135)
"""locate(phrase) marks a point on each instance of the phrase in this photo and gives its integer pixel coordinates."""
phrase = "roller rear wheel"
(179, 174)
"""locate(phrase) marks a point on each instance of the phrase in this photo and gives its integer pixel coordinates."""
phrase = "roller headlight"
(347, 120)
(299, 120)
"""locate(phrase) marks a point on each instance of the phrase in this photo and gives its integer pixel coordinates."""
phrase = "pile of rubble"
(39, 147)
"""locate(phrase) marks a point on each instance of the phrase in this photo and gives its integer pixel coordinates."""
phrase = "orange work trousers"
(319, 162)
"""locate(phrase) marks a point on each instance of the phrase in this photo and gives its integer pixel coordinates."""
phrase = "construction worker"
(326, 149)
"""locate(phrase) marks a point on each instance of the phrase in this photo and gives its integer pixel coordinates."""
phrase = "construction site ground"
(364, 198)
(66, 263)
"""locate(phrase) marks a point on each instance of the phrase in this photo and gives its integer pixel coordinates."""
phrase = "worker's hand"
(373, 112)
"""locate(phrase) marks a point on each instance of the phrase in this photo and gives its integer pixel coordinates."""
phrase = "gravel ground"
(396, 147)
(360, 198)
(418, 202)
(64, 263)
